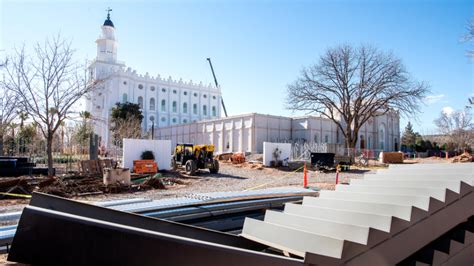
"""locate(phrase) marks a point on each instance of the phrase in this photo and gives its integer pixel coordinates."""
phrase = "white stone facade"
(246, 133)
(164, 101)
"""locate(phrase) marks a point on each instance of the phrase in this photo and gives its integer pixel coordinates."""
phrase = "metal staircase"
(406, 214)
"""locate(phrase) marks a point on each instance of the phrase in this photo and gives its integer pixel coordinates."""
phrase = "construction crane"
(217, 85)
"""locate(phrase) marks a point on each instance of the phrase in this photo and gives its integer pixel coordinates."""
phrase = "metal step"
(401, 207)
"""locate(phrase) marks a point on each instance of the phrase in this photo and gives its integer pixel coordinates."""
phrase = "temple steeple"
(106, 44)
(108, 22)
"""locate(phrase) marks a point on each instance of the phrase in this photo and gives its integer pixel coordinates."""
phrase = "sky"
(259, 47)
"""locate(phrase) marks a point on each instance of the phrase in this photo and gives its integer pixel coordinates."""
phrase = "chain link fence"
(301, 151)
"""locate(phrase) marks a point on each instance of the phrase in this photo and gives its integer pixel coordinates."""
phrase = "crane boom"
(217, 85)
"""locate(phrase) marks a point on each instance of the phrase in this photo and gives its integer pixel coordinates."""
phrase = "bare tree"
(4, 62)
(47, 83)
(469, 37)
(126, 119)
(351, 85)
(459, 126)
(7, 112)
(129, 127)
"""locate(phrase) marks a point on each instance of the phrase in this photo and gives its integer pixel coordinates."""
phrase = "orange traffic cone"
(337, 175)
(305, 178)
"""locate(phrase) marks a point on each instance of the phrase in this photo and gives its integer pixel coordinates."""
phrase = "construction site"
(302, 164)
(315, 212)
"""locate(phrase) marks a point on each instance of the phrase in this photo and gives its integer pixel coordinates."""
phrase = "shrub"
(148, 155)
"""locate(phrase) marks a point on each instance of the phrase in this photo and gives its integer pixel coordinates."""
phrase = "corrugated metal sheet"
(9, 216)
(111, 203)
(201, 198)
(162, 207)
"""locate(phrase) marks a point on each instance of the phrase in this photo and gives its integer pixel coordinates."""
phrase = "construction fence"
(301, 151)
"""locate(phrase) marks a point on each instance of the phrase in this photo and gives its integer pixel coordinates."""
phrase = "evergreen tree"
(409, 137)
(83, 131)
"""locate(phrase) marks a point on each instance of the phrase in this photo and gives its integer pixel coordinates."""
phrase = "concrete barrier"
(391, 157)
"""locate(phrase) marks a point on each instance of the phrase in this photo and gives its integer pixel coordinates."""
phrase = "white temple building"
(164, 101)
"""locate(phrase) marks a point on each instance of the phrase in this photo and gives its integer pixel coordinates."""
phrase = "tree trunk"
(351, 142)
(49, 151)
(1, 145)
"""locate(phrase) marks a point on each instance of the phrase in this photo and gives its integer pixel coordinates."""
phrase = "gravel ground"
(240, 178)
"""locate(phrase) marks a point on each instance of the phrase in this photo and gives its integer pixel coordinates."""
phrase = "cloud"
(434, 98)
(447, 110)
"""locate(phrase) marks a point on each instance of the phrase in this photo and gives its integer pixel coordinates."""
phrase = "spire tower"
(106, 43)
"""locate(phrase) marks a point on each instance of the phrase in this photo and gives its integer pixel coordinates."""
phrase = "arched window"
(381, 138)
(204, 110)
(315, 138)
(140, 86)
(124, 98)
(369, 142)
(152, 104)
(214, 111)
(195, 109)
(163, 119)
(140, 101)
(174, 120)
(185, 108)
(163, 105)
(175, 107)
(326, 138)
(185, 121)
(362, 142)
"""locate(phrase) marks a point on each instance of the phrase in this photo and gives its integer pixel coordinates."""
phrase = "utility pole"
(217, 85)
